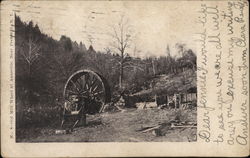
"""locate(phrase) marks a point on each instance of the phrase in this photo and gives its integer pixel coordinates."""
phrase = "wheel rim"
(90, 87)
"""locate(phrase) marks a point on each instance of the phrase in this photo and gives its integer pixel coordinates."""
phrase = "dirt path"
(120, 127)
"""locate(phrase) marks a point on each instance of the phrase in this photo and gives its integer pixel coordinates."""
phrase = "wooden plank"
(150, 129)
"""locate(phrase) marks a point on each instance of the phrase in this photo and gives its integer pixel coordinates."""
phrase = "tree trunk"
(121, 76)
(121, 71)
(153, 67)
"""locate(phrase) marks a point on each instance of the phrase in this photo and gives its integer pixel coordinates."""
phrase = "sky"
(155, 24)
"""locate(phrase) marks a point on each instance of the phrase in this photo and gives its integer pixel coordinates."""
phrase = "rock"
(140, 105)
(151, 105)
(162, 106)
(148, 105)
(120, 102)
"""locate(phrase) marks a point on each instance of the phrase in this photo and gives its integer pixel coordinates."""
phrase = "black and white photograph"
(93, 73)
(121, 78)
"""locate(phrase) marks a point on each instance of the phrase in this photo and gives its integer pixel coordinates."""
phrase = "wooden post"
(166, 100)
(156, 99)
(175, 101)
(84, 120)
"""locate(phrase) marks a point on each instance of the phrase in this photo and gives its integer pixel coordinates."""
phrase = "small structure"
(177, 100)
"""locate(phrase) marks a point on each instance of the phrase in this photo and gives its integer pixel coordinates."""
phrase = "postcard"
(124, 78)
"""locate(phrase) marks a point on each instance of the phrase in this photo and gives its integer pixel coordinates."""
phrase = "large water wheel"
(90, 87)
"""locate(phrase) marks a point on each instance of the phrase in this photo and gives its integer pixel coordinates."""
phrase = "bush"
(39, 115)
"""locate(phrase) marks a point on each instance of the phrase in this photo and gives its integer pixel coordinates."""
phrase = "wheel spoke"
(79, 83)
(86, 82)
(83, 81)
(84, 96)
(91, 77)
(87, 86)
(83, 92)
(95, 88)
(91, 81)
(75, 86)
(97, 93)
(92, 85)
(98, 88)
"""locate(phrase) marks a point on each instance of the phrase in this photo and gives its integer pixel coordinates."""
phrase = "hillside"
(169, 84)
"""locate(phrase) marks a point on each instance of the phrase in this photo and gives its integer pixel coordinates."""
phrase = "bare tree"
(181, 48)
(122, 37)
(30, 52)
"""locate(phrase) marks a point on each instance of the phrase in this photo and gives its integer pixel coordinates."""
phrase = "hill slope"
(169, 84)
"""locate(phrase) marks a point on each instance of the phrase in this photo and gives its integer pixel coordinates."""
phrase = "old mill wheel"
(91, 87)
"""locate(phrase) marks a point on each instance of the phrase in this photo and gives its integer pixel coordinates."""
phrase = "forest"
(43, 65)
